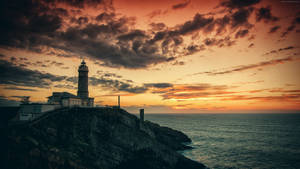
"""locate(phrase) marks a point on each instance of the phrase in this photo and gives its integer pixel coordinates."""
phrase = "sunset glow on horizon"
(167, 56)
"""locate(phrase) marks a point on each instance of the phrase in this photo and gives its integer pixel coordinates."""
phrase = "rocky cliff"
(102, 138)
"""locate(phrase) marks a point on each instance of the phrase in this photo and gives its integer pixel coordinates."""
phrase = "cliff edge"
(103, 138)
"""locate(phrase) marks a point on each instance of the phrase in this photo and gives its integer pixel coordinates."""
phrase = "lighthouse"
(66, 99)
(83, 81)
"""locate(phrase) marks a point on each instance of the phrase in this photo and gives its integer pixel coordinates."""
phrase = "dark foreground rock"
(101, 138)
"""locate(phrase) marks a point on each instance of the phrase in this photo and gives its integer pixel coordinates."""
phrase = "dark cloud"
(18, 88)
(156, 13)
(238, 3)
(159, 85)
(279, 50)
(81, 20)
(82, 3)
(286, 48)
(240, 18)
(26, 23)
(194, 91)
(132, 35)
(132, 51)
(292, 26)
(191, 49)
(65, 86)
(105, 17)
(117, 85)
(219, 42)
(222, 23)
(181, 5)
(198, 22)
(241, 33)
(173, 36)
(108, 74)
(13, 75)
(283, 98)
(109, 39)
(248, 67)
(265, 14)
(58, 64)
(180, 63)
(271, 52)
(274, 29)
(288, 30)
(32, 28)
(157, 26)
(113, 84)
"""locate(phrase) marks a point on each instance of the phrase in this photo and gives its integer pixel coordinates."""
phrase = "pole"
(119, 102)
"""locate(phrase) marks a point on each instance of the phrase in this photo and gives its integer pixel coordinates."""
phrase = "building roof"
(63, 95)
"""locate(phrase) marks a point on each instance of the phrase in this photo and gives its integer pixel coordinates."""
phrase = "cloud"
(238, 3)
(274, 29)
(292, 26)
(157, 26)
(81, 20)
(182, 91)
(180, 63)
(115, 85)
(111, 40)
(282, 98)
(181, 5)
(107, 74)
(159, 85)
(240, 18)
(18, 88)
(34, 29)
(82, 4)
(198, 22)
(13, 75)
(222, 23)
(241, 33)
(191, 49)
(281, 90)
(286, 48)
(250, 66)
(132, 50)
(280, 50)
(106, 38)
(156, 13)
(132, 35)
(251, 45)
(265, 14)
(219, 42)
(65, 86)
(288, 30)
(105, 17)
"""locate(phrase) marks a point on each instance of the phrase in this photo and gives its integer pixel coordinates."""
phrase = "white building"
(34, 110)
(65, 99)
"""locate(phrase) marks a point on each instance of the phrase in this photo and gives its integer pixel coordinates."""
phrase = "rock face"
(103, 138)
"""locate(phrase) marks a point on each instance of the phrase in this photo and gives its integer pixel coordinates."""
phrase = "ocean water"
(223, 141)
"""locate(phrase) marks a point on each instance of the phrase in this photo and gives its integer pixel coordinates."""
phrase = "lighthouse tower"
(83, 81)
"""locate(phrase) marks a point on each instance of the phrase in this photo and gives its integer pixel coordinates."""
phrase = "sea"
(231, 141)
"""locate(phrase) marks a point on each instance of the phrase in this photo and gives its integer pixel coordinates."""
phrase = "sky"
(166, 56)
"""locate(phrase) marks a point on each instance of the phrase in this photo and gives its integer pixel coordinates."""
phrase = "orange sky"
(170, 56)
